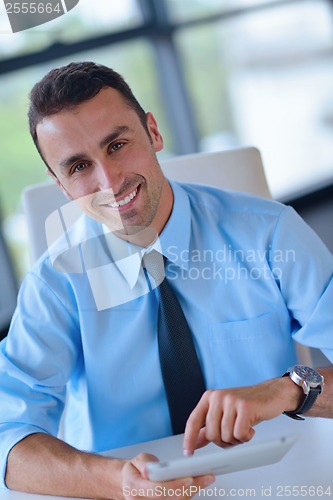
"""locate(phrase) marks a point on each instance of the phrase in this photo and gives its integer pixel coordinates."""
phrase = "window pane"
(186, 10)
(266, 79)
(86, 19)
(21, 165)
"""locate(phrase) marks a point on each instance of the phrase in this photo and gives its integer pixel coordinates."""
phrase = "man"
(87, 313)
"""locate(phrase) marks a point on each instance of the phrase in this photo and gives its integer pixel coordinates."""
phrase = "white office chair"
(237, 169)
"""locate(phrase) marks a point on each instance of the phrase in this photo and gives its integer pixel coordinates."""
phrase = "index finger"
(194, 423)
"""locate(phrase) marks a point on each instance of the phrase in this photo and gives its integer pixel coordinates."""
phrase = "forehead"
(88, 121)
(108, 102)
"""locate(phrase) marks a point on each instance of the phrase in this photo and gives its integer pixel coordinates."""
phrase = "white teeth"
(123, 202)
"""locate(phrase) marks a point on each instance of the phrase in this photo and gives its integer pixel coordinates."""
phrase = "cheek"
(84, 199)
(80, 186)
(148, 165)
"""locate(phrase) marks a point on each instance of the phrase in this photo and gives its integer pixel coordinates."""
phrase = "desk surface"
(305, 472)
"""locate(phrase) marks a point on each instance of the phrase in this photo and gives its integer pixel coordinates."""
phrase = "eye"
(116, 146)
(79, 167)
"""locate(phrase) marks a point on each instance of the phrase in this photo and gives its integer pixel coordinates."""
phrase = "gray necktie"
(181, 371)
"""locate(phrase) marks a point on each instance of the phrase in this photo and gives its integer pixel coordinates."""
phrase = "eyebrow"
(67, 162)
(122, 129)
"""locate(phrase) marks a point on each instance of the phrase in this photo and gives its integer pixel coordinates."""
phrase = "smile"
(124, 201)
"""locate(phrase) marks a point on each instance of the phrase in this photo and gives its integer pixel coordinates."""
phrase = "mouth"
(124, 202)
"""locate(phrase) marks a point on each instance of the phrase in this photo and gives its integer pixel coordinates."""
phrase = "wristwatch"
(312, 384)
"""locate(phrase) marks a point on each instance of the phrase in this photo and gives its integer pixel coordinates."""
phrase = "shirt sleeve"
(36, 360)
(303, 268)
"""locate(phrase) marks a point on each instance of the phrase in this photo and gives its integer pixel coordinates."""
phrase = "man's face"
(103, 158)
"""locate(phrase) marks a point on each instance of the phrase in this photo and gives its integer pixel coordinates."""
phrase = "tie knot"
(154, 263)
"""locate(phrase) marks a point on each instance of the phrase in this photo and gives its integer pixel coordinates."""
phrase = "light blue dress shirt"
(250, 275)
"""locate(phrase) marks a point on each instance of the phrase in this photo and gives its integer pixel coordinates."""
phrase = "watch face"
(308, 375)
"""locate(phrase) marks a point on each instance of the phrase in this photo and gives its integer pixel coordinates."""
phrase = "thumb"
(140, 462)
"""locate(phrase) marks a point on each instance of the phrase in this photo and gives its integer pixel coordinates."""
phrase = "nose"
(108, 176)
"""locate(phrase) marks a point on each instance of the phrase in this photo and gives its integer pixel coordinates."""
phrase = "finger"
(213, 418)
(134, 485)
(200, 482)
(228, 423)
(201, 440)
(204, 481)
(243, 431)
(188, 489)
(140, 463)
(135, 476)
(193, 425)
(132, 478)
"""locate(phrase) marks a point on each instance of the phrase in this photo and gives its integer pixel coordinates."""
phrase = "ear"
(154, 132)
(56, 180)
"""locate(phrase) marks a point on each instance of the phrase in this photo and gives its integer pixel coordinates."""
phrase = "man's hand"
(136, 483)
(43, 464)
(227, 416)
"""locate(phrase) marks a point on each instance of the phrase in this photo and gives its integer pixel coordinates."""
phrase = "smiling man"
(96, 346)
(101, 154)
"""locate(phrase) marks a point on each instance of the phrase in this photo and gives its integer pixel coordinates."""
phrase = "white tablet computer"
(240, 457)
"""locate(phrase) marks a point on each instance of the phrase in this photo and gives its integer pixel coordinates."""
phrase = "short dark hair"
(68, 86)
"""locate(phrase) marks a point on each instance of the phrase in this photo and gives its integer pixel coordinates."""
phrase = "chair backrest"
(8, 288)
(237, 169)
